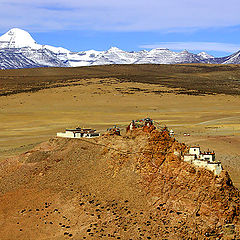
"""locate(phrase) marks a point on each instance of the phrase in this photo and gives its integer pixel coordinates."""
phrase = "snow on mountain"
(15, 60)
(205, 55)
(17, 38)
(57, 50)
(115, 56)
(187, 57)
(78, 59)
(19, 50)
(157, 55)
(43, 56)
(232, 59)
(29, 58)
(165, 56)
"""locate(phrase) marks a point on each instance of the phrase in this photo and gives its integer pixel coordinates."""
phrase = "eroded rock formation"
(134, 186)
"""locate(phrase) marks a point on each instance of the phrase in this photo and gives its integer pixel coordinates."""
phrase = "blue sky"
(206, 25)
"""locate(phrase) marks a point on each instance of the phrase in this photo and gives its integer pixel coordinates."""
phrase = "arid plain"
(212, 119)
(53, 188)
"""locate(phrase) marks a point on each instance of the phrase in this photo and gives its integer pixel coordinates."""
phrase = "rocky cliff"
(134, 186)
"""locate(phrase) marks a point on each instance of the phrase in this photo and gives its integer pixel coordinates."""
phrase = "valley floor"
(213, 121)
(76, 189)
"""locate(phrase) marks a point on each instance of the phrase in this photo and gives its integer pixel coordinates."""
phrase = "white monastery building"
(79, 133)
(203, 159)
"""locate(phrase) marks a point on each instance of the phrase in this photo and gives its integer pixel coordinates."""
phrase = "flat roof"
(81, 130)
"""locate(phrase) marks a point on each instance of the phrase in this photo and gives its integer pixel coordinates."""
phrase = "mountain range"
(19, 50)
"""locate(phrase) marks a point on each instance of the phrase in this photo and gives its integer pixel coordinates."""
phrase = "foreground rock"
(115, 187)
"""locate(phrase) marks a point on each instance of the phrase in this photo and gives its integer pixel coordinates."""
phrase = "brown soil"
(70, 174)
(114, 187)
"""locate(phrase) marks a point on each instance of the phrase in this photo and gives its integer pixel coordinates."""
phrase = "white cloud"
(196, 46)
(112, 15)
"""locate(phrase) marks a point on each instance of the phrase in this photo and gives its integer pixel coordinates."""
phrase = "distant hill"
(191, 79)
(19, 50)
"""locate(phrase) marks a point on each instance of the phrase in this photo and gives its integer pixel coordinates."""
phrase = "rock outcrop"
(134, 186)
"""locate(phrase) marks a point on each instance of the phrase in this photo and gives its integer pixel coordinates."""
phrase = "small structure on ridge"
(203, 159)
(113, 131)
(146, 124)
(171, 132)
(79, 133)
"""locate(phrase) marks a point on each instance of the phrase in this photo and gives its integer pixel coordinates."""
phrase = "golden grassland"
(45, 103)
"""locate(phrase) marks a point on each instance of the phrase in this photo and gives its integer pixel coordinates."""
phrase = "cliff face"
(194, 198)
(115, 187)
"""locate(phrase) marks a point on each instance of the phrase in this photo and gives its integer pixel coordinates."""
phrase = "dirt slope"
(114, 187)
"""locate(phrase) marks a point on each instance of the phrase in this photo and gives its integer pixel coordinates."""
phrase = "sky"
(132, 25)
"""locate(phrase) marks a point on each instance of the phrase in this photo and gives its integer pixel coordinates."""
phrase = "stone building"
(79, 133)
(203, 159)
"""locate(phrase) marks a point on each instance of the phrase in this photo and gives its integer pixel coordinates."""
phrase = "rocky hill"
(134, 186)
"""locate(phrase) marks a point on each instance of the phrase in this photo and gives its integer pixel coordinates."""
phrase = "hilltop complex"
(138, 184)
(194, 156)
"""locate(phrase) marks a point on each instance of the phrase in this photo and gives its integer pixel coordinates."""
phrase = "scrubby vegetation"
(193, 79)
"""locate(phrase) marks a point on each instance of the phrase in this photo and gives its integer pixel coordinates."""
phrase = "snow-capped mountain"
(158, 55)
(165, 56)
(18, 38)
(204, 55)
(19, 50)
(28, 58)
(115, 56)
(232, 59)
(84, 58)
